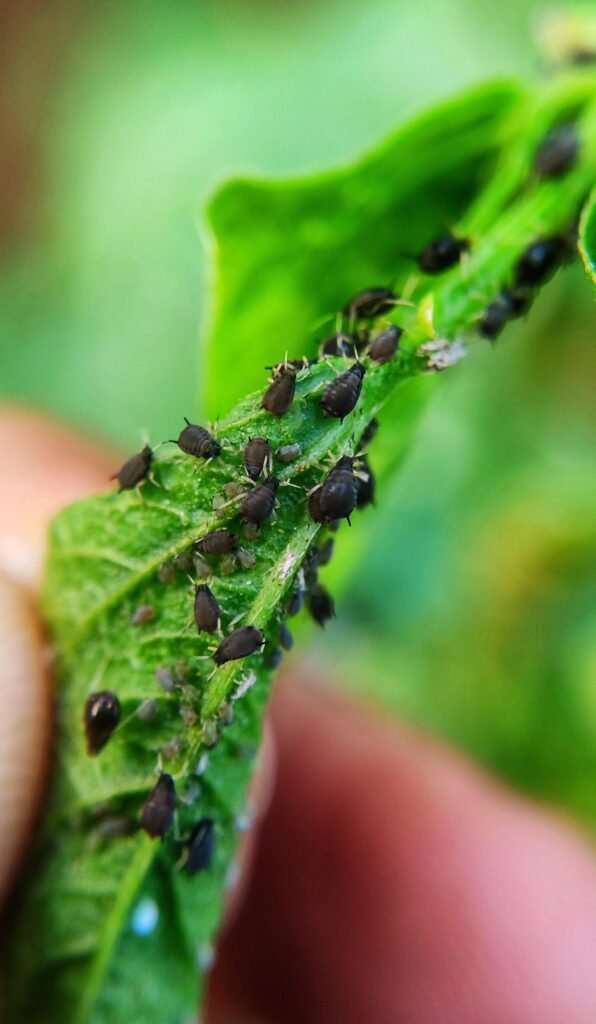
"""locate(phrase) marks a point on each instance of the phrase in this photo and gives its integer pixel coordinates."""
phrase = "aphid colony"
(347, 485)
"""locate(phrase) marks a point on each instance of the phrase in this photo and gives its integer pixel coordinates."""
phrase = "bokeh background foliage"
(468, 596)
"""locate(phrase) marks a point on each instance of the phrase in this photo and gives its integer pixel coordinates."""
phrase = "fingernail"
(24, 722)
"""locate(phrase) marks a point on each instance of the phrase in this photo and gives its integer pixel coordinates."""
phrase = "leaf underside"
(113, 928)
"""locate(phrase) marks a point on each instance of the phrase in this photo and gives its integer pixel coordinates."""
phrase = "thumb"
(24, 723)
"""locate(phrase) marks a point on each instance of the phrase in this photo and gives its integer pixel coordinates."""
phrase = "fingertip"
(45, 465)
(24, 724)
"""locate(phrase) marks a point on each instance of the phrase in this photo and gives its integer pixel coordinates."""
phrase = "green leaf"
(288, 253)
(112, 928)
(587, 237)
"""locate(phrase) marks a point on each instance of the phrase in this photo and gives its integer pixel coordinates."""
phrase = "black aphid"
(296, 601)
(339, 345)
(340, 395)
(314, 506)
(289, 452)
(326, 550)
(339, 493)
(220, 542)
(280, 393)
(369, 432)
(320, 604)
(143, 614)
(272, 658)
(257, 505)
(383, 348)
(195, 440)
(285, 637)
(506, 306)
(101, 716)
(157, 812)
(256, 454)
(539, 261)
(207, 612)
(442, 253)
(365, 483)
(239, 644)
(134, 470)
(201, 846)
(558, 152)
(369, 303)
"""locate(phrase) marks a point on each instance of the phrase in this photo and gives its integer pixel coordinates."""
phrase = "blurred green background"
(470, 599)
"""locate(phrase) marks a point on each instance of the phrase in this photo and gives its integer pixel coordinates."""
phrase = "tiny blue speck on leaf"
(144, 917)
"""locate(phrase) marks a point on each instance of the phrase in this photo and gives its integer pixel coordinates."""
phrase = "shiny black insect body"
(220, 542)
(369, 303)
(296, 600)
(201, 846)
(100, 718)
(280, 393)
(239, 644)
(207, 612)
(272, 658)
(135, 470)
(195, 440)
(539, 262)
(157, 813)
(383, 348)
(257, 505)
(506, 306)
(558, 152)
(340, 395)
(365, 483)
(338, 492)
(256, 455)
(314, 506)
(442, 253)
(320, 604)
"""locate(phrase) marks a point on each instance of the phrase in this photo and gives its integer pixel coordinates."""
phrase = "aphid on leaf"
(365, 483)
(338, 493)
(195, 440)
(326, 549)
(201, 847)
(320, 604)
(172, 748)
(220, 542)
(539, 261)
(240, 643)
(339, 345)
(257, 505)
(272, 658)
(207, 612)
(184, 561)
(135, 470)
(442, 253)
(165, 678)
(285, 637)
(369, 303)
(101, 716)
(225, 713)
(506, 306)
(369, 432)
(340, 395)
(247, 558)
(558, 151)
(314, 506)
(147, 710)
(296, 600)
(383, 348)
(143, 614)
(256, 455)
(289, 452)
(167, 573)
(280, 393)
(157, 813)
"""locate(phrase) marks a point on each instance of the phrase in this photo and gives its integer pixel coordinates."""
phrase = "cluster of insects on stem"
(365, 342)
